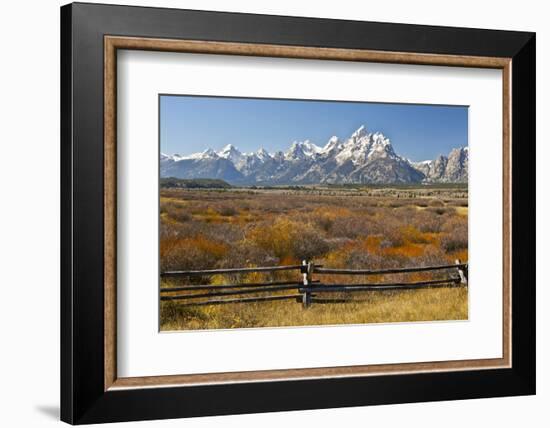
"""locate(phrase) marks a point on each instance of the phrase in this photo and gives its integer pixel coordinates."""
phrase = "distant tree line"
(194, 183)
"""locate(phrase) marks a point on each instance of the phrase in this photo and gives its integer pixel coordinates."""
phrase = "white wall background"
(29, 214)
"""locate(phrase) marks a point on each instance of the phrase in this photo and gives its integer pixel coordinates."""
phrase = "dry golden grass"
(356, 229)
(379, 307)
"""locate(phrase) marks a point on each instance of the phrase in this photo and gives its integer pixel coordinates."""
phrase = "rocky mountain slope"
(446, 169)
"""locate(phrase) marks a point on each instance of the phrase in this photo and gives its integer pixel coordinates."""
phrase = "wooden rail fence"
(305, 289)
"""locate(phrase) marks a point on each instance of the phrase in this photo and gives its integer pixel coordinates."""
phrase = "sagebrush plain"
(351, 227)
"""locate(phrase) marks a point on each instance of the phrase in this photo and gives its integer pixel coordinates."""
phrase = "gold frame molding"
(113, 43)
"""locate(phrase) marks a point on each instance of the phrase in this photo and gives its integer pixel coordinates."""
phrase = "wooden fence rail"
(226, 271)
(387, 271)
(228, 286)
(296, 297)
(307, 288)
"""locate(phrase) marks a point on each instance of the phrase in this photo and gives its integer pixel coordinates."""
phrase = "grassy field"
(341, 227)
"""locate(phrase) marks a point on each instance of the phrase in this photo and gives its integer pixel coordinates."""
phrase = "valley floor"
(349, 227)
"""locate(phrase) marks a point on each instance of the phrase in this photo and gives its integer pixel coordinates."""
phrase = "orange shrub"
(285, 238)
(406, 250)
(412, 234)
(190, 252)
(276, 238)
(372, 243)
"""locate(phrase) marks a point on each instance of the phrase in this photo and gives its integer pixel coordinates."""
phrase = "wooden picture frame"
(91, 390)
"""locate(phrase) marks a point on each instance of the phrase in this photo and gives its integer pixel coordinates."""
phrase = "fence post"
(307, 271)
(463, 273)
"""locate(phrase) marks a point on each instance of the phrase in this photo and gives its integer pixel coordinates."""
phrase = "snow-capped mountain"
(207, 164)
(231, 153)
(362, 158)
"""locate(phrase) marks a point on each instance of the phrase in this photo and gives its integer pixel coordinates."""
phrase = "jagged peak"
(229, 148)
(380, 137)
(263, 153)
(302, 149)
(205, 154)
(459, 150)
(333, 143)
(359, 132)
(295, 151)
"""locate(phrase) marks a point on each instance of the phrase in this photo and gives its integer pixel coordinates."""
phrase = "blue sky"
(190, 124)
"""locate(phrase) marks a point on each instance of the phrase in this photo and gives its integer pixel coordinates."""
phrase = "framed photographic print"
(349, 209)
(265, 213)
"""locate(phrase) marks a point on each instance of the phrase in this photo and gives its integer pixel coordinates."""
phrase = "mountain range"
(363, 158)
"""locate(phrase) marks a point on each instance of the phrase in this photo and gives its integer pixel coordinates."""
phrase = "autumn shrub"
(405, 213)
(456, 234)
(309, 245)
(412, 234)
(353, 226)
(437, 210)
(436, 203)
(227, 211)
(288, 238)
(389, 228)
(451, 243)
(246, 253)
(276, 237)
(174, 210)
(370, 211)
(427, 221)
(180, 215)
(389, 243)
(394, 204)
(456, 225)
(190, 253)
(227, 233)
(324, 222)
(432, 256)
(359, 259)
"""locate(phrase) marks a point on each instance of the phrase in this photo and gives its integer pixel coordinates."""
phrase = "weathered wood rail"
(306, 288)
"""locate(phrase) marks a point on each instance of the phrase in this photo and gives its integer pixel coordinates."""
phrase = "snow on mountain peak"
(263, 154)
(380, 138)
(362, 146)
(209, 153)
(310, 148)
(231, 153)
(206, 154)
(359, 132)
(333, 143)
(295, 152)
(228, 149)
(300, 150)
